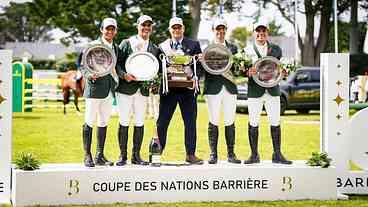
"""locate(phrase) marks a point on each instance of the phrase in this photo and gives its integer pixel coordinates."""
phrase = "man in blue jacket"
(185, 97)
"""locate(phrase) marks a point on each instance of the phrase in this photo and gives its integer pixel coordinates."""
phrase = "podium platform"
(61, 184)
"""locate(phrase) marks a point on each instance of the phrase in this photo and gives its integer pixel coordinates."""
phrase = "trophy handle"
(162, 56)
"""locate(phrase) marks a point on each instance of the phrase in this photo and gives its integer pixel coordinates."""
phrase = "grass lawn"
(55, 138)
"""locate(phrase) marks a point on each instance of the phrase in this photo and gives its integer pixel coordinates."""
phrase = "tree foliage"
(344, 37)
(240, 36)
(83, 18)
(274, 29)
(310, 46)
(18, 25)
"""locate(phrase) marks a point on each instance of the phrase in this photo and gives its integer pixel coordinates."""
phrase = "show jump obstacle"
(74, 184)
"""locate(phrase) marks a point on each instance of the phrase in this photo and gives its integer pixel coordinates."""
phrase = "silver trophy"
(269, 72)
(143, 65)
(99, 59)
(216, 59)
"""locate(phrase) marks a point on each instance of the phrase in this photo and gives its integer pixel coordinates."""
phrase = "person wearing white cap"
(218, 91)
(259, 96)
(131, 95)
(185, 97)
(98, 93)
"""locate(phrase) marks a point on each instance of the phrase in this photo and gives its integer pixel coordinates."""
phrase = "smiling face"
(108, 33)
(261, 35)
(145, 29)
(220, 33)
(177, 31)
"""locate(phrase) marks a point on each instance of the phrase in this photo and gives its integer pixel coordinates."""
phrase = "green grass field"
(55, 138)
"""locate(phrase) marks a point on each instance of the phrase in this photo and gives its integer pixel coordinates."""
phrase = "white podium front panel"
(75, 184)
(5, 123)
(353, 182)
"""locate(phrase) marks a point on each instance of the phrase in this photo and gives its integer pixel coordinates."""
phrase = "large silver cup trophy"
(99, 59)
(176, 70)
(269, 72)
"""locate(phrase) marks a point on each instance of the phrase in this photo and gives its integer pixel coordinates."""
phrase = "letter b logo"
(73, 187)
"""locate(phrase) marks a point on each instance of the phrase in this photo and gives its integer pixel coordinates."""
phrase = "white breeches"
(98, 108)
(153, 105)
(272, 106)
(131, 104)
(228, 102)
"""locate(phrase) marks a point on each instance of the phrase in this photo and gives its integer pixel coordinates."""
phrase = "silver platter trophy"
(269, 72)
(216, 59)
(143, 65)
(99, 59)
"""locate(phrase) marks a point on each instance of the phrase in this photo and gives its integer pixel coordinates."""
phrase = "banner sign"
(74, 184)
(5, 124)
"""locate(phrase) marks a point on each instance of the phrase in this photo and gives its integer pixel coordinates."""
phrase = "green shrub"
(319, 159)
(26, 161)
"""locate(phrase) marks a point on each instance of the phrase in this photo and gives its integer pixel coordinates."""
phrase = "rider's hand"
(93, 76)
(200, 57)
(129, 77)
(252, 71)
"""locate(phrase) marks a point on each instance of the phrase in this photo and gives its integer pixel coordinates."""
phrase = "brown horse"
(69, 83)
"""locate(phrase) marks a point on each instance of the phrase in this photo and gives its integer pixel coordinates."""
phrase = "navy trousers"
(188, 107)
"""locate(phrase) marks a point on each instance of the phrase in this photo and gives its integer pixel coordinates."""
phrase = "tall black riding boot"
(137, 143)
(253, 143)
(123, 143)
(100, 158)
(213, 140)
(87, 140)
(277, 156)
(230, 142)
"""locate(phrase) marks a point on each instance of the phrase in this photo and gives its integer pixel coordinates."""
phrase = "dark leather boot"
(123, 143)
(277, 156)
(100, 158)
(230, 142)
(87, 140)
(213, 140)
(253, 143)
(137, 143)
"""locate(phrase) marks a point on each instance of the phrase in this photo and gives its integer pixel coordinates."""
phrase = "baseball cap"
(175, 20)
(109, 22)
(143, 19)
(260, 24)
(219, 22)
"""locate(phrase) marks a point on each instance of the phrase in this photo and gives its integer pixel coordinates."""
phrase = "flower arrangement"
(153, 84)
(241, 61)
(319, 159)
(289, 64)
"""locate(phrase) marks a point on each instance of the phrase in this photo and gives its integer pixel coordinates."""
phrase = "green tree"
(323, 9)
(196, 7)
(274, 29)
(239, 36)
(18, 25)
(82, 18)
(344, 31)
